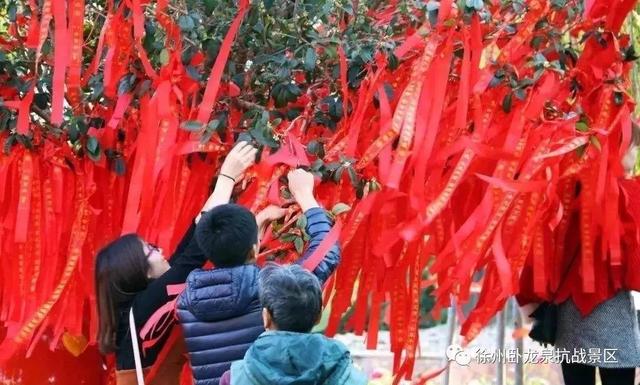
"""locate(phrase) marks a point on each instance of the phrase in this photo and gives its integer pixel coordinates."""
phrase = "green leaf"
(301, 223)
(353, 176)
(93, 149)
(287, 237)
(596, 143)
(119, 166)
(40, 100)
(317, 165)
(310, 58)
(186, 23)
(340, 208)
(618, 98)
(495, 81)
(506, 102)
(333, 166)
(582, 126)
(126, 83)
(164, 56)
(82, 125)
(299, 244)
(193, 73)
(337, 176)
(12, 12)
(336, 110)
(392, 60)
(520, 94)
(315, 148)
(72, 131)
(263, 136)
(294, 90)
(209, 6)
(374, 186)
(191, 125)
(213, 125)
(93, 145)
(536, 41)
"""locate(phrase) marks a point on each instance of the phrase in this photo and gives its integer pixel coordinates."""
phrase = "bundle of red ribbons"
(473, 175)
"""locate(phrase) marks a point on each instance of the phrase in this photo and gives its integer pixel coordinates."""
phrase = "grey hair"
(291, 295)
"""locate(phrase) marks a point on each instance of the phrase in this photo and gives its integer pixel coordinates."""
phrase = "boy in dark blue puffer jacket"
(220, 311)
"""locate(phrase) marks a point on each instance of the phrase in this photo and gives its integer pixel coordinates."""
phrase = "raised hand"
(239, 159)
(269, 214)
(301, 186)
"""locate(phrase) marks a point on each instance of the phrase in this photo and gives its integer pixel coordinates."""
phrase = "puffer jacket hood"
(287, 358)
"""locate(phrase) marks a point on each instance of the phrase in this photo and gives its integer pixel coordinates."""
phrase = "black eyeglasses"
(152, 247)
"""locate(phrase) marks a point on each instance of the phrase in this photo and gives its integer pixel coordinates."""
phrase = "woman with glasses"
(132, 274)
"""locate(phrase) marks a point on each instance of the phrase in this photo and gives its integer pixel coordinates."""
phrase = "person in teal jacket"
(287, 352)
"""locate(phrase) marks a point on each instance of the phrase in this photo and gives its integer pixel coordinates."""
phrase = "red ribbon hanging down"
(76, 29)
(411, 97)
(150, 140)
(138, 34)
(78, 236)
(384, 158)
(502, 264)
(22, 126)
(323, 248)
(344, 280)
(213, 84)
(344, 85)
(166, 142)
(131, 213)
(587, 231)
(121, 107)
(24, 199)
(44, 29)
(462, 105)
(365, 283)
(36, 233)
(415, 280)
(355, 123)
(425, 138)
(61, 56)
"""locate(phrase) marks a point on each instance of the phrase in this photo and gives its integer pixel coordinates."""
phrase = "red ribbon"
(323, 248)
(60, 60)
(213, 84)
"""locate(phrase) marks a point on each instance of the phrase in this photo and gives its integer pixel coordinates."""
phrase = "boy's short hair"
(226, 234)
(291, 295)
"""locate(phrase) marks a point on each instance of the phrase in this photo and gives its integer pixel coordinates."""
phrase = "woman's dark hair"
(291, 295)
(121, 272)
